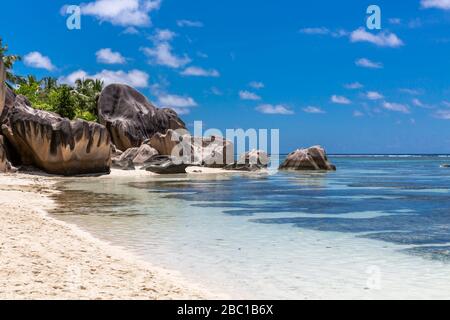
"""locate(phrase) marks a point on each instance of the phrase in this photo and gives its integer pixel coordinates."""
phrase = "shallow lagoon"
(379, 227)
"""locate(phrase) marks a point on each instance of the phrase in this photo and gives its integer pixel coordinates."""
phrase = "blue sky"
(309, 68)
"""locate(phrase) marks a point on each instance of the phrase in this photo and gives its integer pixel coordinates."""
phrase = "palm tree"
(49, 83)
(9, 60)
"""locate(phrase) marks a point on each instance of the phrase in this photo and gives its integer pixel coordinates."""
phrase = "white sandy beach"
(42, 258)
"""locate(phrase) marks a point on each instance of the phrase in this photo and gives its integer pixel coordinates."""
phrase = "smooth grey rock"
(165, 165)
(313, 158)
(126, 164)
(138, 156)
(130, 118)
(214, 152)
(250, 161)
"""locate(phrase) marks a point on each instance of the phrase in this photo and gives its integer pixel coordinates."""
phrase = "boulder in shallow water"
(313, 158)
(130, 118)
(55, 144)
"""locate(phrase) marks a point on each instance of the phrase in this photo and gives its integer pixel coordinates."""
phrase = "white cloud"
(163, 35)
(256, 85)
(396, 107)
(382, 39)
(312, 109)
(107, 56)
(122, 12)
(373, 95)
(202, 55)
(37, 60)
(189, 23)
(358, 114)
(133, 78)
(162, 54)
(274, 109)
(130, 30)
(340, 100)
(353, 86)
(437, 4)
(315, 30)
(324, 31)
(181, 104)
(71, 78)
(442, 114)
(412, 92)
(216, 91)
(247, 95)
(200, 72)
(366, 63)
(418, 103)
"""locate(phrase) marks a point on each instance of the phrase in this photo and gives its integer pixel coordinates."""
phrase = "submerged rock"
(213, 151)
(313, 158)
(251, 161)
(52, 143)
(130, 118)
(166, 165)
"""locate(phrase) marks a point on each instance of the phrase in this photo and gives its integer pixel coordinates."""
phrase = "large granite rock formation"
(54, 144)
(214, 152)
(313, 158)
(130, 118)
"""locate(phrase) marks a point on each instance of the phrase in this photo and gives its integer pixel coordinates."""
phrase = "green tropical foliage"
(78, 101)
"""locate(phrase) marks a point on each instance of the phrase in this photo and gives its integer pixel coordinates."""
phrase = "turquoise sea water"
(379, 227)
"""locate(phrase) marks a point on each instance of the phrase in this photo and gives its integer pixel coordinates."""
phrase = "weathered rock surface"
(137, 156)
(2, 85)
(54, 144)
(313, 158)
(166, 165)
(5, 163)
(250, 161)
(215, 152)
(130, 118)
(126, 164)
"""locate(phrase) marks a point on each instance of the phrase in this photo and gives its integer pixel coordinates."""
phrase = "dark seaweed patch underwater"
(402, 200)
